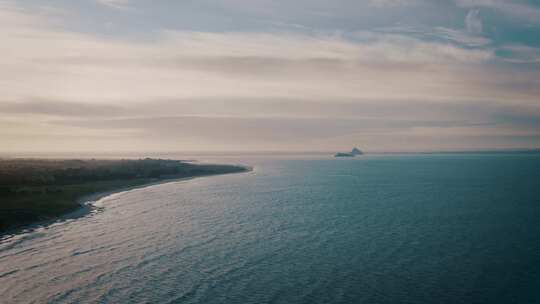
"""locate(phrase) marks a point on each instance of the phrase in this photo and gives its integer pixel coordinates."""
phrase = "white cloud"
(119, 4)
(49, 62)
(520, 11)
(451, 36)
(392, 3)
(522, 54)
(473, 22)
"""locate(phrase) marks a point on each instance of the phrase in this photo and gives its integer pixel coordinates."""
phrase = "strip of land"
(35, 190)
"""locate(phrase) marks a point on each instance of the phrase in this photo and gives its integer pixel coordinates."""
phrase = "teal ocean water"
(440, 228)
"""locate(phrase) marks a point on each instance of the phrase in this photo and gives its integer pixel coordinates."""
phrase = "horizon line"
(143, 154)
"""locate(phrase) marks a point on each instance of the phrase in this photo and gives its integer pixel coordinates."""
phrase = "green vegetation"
(33, 190)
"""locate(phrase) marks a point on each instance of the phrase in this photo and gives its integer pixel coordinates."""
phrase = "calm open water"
(445, 228)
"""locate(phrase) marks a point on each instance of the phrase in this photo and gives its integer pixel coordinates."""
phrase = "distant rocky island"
(354, 152)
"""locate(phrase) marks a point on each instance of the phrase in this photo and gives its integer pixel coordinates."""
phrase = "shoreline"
(86, 204)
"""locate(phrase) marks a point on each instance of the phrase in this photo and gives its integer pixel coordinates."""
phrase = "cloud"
(397, 134)
(525, 12)
(261, 107)
(262, 124)
(59, 108)
(439, 34)
(118, 4)
(473, 22)
(279, 90)
(48, 62)
(520, 54)
(393, 3)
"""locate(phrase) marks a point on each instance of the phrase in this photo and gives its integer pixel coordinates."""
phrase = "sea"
(381, 228)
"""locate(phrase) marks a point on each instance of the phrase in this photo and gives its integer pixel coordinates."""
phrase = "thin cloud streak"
(117, 4)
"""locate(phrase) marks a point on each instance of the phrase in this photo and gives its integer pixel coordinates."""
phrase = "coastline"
(84, 204)
(89, 199)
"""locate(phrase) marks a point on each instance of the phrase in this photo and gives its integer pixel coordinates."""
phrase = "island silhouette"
(354, 152)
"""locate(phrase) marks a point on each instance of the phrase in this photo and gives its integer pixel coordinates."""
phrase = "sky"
(260, 75)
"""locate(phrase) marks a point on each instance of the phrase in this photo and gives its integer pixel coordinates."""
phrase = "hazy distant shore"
(37, 192)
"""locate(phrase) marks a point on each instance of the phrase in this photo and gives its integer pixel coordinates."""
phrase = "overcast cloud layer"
(385, 75)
